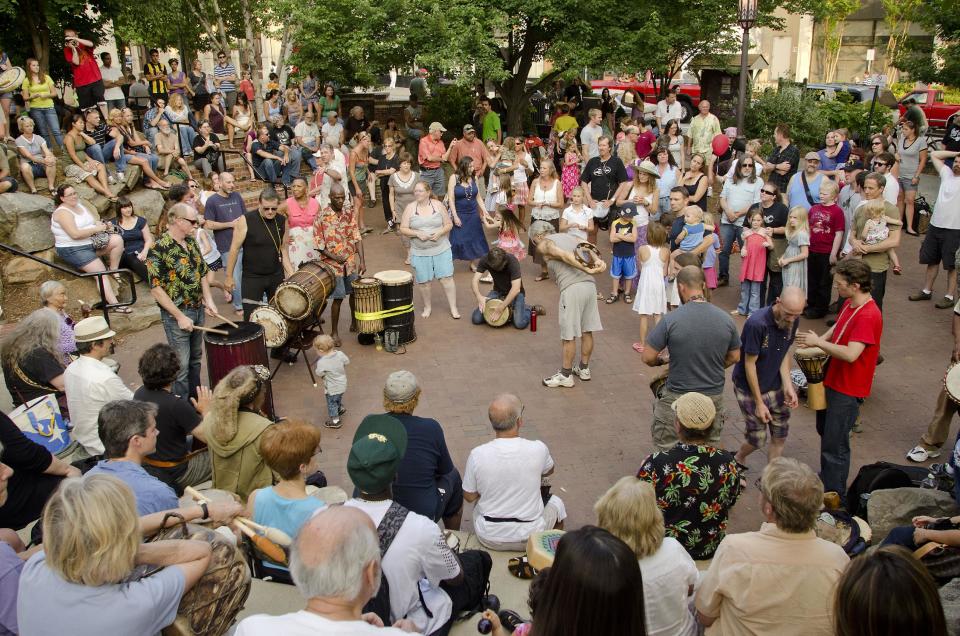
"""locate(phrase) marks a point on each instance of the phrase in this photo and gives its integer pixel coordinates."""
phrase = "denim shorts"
(39, 170)
(343, 287)
(77, 255)
(428, 268)
(906, 184)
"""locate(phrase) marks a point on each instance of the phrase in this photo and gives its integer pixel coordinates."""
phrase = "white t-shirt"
(738, 196)
(506, 473)
(307, 133)
(112, 74)
(891, 190)
(418, 555)
(580, 218)
(946, 212)
(667, 112)
(330, 367)
(667, 577)
(589, 138)
(332, 134)
(304, 623)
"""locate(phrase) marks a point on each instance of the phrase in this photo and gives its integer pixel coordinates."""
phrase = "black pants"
(476, 566)
(878, 287)
(134, 264)
(774, 285)
(254, 287)
(385, 197)
(818, 284)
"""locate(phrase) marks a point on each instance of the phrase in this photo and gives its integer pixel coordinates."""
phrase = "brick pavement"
(599, 430)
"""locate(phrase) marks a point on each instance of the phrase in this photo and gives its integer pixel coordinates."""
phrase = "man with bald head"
(335, 564)
(761, 379)
(503, 480)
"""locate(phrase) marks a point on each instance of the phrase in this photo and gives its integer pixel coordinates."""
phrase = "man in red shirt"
(853, 344)
(87, 81)
(471, 147)
(432, 153)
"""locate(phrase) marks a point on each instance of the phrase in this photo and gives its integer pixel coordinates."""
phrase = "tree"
(832, 16)
(937, 59)
(898, 14)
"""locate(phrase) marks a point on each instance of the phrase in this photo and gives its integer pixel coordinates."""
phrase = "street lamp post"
(746, 16)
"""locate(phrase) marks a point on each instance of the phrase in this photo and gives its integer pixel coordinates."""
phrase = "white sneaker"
(920, 454)
(486, 278)
(111, 180)
(558, 380)
(584, 374)
(120, 176)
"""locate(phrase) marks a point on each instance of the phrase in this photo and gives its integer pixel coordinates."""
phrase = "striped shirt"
(157, 87)
(225, 70)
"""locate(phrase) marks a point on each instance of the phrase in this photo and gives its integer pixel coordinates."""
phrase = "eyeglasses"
(770, 192)
(192, 222)
(266, 209)
(71, 193)
(876, 143)
(746, 165)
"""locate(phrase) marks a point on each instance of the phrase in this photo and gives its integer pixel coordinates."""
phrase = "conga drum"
(244, 344)
(276, 328)
(813, 363)
(304, 292)
(492, 305)
(396, 290)
(951, 382)
(368, 304)
(542, 548)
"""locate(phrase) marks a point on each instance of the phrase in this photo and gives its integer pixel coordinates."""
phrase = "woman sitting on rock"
(81, 168)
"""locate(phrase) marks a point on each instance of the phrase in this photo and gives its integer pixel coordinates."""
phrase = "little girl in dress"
(875, 231)
(510, 228)
(570, 177)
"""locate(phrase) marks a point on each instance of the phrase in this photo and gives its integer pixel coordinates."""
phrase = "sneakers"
(945, 303)
(540, 310)
(921, 295)
(486, 278)
(559, 380)
(334, 423)
(120, 176)
(583, 374)
(920, 454)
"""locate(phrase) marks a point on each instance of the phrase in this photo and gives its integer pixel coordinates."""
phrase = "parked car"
(930, 101)
(688, 93)
(859, 92)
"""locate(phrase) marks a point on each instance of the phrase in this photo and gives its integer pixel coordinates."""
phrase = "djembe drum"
(244, 344)
(813, 363)
(951, 382)
(11, 79)
(396, 290)
(492, 305)
(367, 305)
(305, 290)
(277, 329)
(542, 548)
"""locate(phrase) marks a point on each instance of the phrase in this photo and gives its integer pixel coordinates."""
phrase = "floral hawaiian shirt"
(337, 233)
(696, 488)
(178, 270)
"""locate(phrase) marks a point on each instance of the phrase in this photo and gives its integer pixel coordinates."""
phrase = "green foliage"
(936, 59)
(845, 113)
(808, 122)
(450, 104)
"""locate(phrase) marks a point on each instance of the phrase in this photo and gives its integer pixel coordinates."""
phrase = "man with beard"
(338, 240)
(761, 379)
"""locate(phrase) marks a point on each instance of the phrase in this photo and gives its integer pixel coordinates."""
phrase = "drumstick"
(219, 332)
(196, 494)
(228, 321)
(269, 549)
(276, 535)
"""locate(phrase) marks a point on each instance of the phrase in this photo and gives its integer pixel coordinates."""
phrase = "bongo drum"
(542, 548)
(244, 344)
(276, 328)
(211, 606)
(305, 291)
(368, 304)
(951, 382)
(396, 291)
(11, 79)
(492, 305)
(813, 363)
(587, 254)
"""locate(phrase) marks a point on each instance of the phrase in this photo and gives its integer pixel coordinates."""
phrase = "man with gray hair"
(504, 479)
(335, 564)
(780, 579)
(128, 430)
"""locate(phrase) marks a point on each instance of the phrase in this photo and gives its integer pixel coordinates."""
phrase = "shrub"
(807, 122)
(451, 105)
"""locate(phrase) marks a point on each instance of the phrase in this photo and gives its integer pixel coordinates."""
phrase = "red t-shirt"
(87, 72)
(645, 144)
(825, 222)
(866, 326)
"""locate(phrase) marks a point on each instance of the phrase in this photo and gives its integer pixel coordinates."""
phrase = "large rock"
(148, 204)
(95, 200)
(950, 598)
(894, 507)
(20, 270)
(133, 175)
(25, 221)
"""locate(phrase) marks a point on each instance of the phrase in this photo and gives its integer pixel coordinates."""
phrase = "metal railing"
(104, 306)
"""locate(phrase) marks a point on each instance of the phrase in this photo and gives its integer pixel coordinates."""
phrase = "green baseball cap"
(378, 446)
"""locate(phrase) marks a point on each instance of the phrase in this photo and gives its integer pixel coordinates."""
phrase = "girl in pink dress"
(510, 228)
(756, 242)
(570, 178)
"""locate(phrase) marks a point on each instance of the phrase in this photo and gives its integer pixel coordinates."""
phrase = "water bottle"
(533, 320)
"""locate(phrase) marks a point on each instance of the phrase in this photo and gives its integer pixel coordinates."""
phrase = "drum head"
(293, 299)
(809, 352)
(491, 306)
(394, 277)
(11, 79)
(274, 325)
(951, 382)
(366, 282)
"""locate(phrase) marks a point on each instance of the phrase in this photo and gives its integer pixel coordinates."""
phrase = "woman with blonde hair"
(233, 426)
(83, 579)
(629, 512)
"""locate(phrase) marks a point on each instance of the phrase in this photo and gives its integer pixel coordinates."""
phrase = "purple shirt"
(10, 567)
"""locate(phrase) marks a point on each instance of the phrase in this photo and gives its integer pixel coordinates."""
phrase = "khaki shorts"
(578, 310)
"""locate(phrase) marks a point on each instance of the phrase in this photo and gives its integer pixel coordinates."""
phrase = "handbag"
(942, 561)
(100, 240)
(41, 422)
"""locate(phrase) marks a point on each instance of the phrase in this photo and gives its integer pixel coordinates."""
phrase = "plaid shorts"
(756, 430)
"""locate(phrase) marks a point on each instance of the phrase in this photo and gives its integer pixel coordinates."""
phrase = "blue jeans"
(834, 425)
(47, 124)
(902, 535)
(307, 155)
(521, 312)
(189, 348)
(749, 297)
(237, 277)
(270, 169)
(104, 153)
(728, 234)
(334, 405)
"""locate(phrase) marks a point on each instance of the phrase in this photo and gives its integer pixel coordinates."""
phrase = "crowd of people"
(674, 216)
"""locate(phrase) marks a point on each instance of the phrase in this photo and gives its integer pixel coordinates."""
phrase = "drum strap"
(157, 463)
(385, 313)
(849, 320)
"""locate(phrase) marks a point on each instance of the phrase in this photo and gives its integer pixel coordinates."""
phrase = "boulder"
(148, 204)
(95, 200)
(20, 270)
(145, 314)
(894, 507)
(25, 221)
(950, 598)
(133, 175)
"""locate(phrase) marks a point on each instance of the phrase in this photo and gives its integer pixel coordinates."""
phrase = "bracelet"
(206, 510)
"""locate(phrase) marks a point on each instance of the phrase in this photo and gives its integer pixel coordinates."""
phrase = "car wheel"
(688, 110)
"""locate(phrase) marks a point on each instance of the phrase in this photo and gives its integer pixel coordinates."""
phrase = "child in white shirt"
(331, 367)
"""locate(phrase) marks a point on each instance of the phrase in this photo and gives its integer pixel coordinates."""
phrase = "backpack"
(386, 532)
(881, 476)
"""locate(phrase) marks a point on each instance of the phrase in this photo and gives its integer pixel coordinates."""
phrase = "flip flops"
(520, 567)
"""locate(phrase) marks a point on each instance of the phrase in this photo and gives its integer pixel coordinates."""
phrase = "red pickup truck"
(688, 94)
(931, 103)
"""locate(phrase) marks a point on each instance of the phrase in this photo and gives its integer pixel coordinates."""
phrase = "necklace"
(696, 298)
(276, 241)
(467, 190)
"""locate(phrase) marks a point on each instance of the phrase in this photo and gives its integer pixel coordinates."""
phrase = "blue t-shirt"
(152, 495)
(289, 515)
(763, 338)
(10, 567)
(796, 194)
(132, 239)
(427, 458)
(224, 210)
(623, 249)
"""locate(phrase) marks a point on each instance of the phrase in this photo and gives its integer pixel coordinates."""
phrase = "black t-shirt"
(40, 366)
(426, 459)
(774, 216)
(385, 164)
(28, 488)
(503, 279)
(176, 418)
(283, 135)
(604, 177)
(354, 125)
(271, 146)
(211, 153)
(951, 138)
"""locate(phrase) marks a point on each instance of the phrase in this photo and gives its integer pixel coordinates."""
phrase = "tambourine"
(11, 79)
(491, 306)
(587, 254)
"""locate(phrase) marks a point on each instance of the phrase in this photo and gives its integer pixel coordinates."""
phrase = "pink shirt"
(429, 147)
(297, 216)
(754, 264)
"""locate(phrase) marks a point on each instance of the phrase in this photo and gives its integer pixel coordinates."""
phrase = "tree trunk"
(286, 47)
(256, 74)
(33, 16)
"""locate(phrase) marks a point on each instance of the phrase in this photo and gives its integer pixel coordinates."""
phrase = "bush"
(844, 113)
(451, 105)
(807, 122)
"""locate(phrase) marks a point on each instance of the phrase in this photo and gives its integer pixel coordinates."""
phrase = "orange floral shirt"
(338, 234)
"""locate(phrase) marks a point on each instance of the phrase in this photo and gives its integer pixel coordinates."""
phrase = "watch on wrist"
(206, 510)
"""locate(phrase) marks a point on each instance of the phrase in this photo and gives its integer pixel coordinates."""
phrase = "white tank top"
(83, 220)
(539, 210)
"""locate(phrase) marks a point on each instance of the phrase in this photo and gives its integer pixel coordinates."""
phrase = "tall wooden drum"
(304, 292)
(368, 304)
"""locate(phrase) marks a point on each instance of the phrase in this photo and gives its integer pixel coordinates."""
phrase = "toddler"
(331, 366)
(875, 230)
(710, 256)
(623, 266)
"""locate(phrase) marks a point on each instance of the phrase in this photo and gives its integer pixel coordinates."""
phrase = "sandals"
(542, 277)
(898, 270)
(121, 310)
(612, 298)
(520, 567)
(638, 347)
(627, 298)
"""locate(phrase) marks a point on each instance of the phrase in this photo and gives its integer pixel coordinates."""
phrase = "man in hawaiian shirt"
(338, 241)
(696, 484)
(178, 282)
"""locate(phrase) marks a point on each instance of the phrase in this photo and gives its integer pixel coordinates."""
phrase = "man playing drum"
(338, 241)
(507, 287)
(761, 379)
(853, 344)
(579, 316)
(262, 235)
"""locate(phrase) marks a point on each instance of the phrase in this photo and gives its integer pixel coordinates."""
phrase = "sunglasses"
(746, 165)
(876, 143)
(770, 192)
(192, 222)
(266, 209)
(880, 164)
